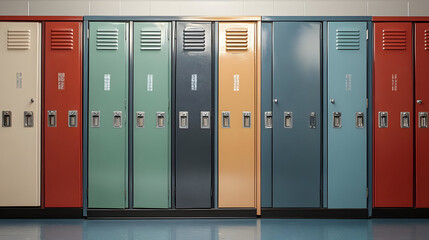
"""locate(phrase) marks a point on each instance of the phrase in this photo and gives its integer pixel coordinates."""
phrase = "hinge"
(367, 193)
(126, 33)
(367, 103)
(367, 34)
(87, 33)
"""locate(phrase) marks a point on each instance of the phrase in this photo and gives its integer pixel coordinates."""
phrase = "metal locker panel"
(194, 151)
(393, 94)
(108, 93)
(421, 47)
(296, 91)
(347, 87)
(237, 74)
(63, 96)
(152, 73)
(20, 103)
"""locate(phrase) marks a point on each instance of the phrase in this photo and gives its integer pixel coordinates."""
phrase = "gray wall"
(216, 7)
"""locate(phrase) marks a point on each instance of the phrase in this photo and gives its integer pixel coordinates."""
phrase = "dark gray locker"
(297, 114)
(194, 115)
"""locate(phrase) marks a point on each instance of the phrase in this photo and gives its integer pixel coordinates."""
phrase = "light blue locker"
(347, 115)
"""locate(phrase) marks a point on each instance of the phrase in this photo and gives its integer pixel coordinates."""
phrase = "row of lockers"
(220, 113)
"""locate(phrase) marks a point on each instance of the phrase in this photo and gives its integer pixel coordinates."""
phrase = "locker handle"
(226, 119)
(7, 118)
(269, 119)
(383, 119)
(360, 123)
(205, 119)
(95, 119)
(160, 119)
(117, 119)
(423, 119)
(405, 120)
(336, 120)
(313, 120)
(247, 119)
(52, 118)
(28, 119)
(288, 119)
(140, 119)
(183, 120)
(72, 119)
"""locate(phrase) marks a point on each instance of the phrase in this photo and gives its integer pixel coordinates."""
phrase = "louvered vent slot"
(394, 40)
(150, 40)
(194, 39)
(62, 39)
(18, 39)
(347, 39)
(236, 39)
(426, 40)
(107, 39)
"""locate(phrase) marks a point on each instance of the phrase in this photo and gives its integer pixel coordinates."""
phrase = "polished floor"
(222, 229)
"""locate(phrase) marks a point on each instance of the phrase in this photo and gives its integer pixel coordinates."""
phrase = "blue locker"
(347, 115)
(297, 150)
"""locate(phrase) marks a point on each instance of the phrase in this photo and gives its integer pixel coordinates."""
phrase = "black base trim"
(171, 213)
(313, 213)
(400, 213)
(30, 212)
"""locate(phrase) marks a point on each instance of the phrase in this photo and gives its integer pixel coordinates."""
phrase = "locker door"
(347, 80)
(421, 115)
(393, 100)
(62, 109)
(193, 113)
(297, 114)
(20, 48)
(237, 75)
(152, 115)
(108, 93)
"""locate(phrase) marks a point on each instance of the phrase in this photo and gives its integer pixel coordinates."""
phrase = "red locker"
(393, 114)
(62, 114)
(421, 46)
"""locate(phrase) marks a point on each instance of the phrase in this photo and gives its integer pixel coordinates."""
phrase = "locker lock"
(336, 120)
(269, 119)
(205, 119)
(360, 122)
(332, 101)
(423, 119)
(419, 101)
(7, 119)
(95, 119)
(383, 120)
(117, 119)
(32, 100)
(225, 119)
(160, 119)
(276, 100)
(140, 119)
(288, 121)
(247, 119)
(183, 120)
(72, 119)
(28, 119)
(405, 120)
(52, 118)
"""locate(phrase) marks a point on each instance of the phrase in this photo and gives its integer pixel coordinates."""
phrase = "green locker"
(152, 74)
(107, 138)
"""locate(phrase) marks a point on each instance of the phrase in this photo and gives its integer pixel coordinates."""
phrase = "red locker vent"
(394, 40)
(236, 39)
(426, 40)
(18, 39)
(347, 39)
(62, 39)
(150, 40)
(108, 39)
(194, 39)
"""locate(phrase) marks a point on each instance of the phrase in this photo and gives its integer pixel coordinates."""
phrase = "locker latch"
(183, 120)
(72, 118)
(225, 119)
(269, 119)
(117, 119)
(336, 120)
(205, 119)
(160, 119)
(288, 119)
(140, 119)
(52, 118)
(383, 120)
(312, 120)
(28, 119)
(247, 122)
(423, 119)
(7, 119)
(360, 122)
(95, 119)
(405, 120)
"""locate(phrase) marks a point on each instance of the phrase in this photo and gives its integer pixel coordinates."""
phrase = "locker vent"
(150, 39)
(236, 39)
(107, 39)
(62, 39)
(194, 39)
(347, 40)
(426, 40)
(394, 40)
(18, 39)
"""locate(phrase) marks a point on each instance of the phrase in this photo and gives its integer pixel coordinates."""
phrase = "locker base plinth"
(400, 213)
(170, 213)
(313, 213)
(31, 212)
